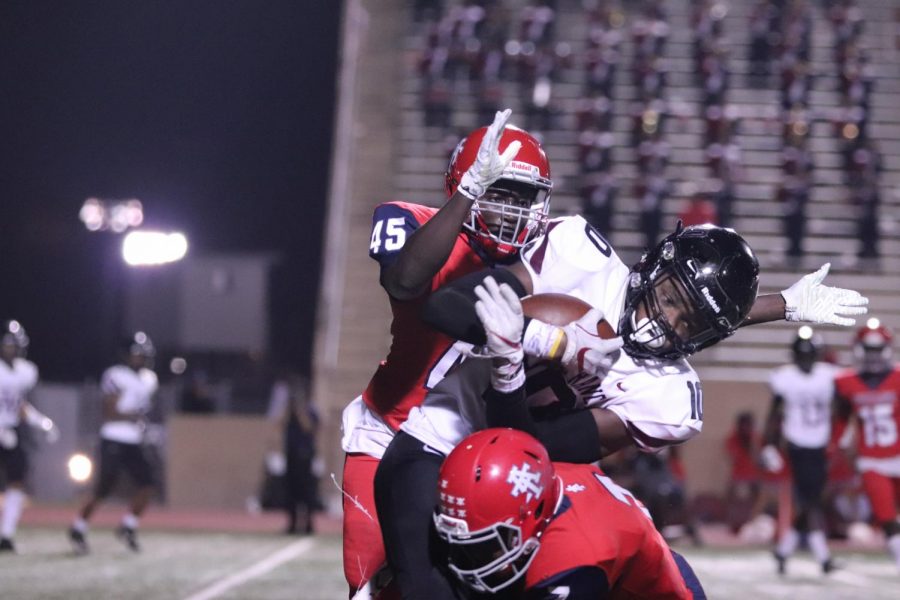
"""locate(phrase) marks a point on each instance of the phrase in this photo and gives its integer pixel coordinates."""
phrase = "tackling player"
(128, 390)
(803, 393)
(871, 394)
(517, 522)
(694, 289)
(499, 185)
(18, 377)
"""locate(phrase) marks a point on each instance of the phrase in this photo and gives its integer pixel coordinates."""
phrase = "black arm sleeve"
(451, 309)
(571, 437)
(583, 583)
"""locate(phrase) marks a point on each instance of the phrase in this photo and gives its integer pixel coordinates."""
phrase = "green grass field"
(202, 566)
(170, 565)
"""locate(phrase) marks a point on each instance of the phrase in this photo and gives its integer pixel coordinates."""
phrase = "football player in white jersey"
(18, 377)
(695, 288)
(802, 394)
(128, 390)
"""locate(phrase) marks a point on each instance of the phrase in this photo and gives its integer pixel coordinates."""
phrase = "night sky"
(217, 115)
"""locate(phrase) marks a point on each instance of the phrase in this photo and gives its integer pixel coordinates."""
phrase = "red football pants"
(363, 547)
(883, 493)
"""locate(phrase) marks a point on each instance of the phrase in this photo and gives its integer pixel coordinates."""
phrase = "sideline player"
(499, 185)
(18, 376)
(871, 394)
(515, 521)
(128, 390)
(646, 395)
(802, 396)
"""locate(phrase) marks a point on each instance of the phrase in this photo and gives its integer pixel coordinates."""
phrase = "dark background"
(217, 115)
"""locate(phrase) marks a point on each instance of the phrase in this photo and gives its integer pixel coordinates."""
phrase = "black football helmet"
(807, 348)
(717, 272)
(139, 344)
(807, 343)
(13, 334)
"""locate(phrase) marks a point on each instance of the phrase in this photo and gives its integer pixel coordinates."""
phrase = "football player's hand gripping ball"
(809, 300)
(489, 163)
(585, 350)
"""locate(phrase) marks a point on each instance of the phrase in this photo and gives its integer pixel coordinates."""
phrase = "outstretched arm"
(811, 301)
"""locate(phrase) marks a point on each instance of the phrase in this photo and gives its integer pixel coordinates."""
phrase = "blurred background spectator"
(297, 421)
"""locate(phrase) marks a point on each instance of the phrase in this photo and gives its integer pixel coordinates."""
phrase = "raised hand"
(489, 163)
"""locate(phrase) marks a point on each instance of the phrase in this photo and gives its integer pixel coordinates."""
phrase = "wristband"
(508, 377)
(469, 188)
(543, 340)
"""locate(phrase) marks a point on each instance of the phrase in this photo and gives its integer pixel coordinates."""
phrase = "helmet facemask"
(691, 291)
(508, 216)
(487, 560)
(661, 318)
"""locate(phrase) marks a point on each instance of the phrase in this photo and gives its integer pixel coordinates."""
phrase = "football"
(561, 309)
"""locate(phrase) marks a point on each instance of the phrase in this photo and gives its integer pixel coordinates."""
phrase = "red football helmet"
(498, 492)
(872, 347)
(514, 209)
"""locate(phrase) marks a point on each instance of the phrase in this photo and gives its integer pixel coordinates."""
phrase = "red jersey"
(877, 409)
(601, 525)
(743, 459)
(419, 356)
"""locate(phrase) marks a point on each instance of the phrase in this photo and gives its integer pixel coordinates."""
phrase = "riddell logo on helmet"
(710, 299)
(523, 166)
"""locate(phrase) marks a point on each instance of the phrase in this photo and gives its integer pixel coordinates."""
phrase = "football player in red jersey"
(871, 394)
(515, 521)
(572, 258)
(499, 185)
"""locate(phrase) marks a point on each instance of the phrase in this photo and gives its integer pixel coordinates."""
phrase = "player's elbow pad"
(451, 309)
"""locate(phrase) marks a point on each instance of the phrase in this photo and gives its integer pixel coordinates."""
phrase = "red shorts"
(363, 547)
(883, 493)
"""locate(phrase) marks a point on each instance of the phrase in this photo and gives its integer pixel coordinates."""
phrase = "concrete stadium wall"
(704, 457)
(215, 461)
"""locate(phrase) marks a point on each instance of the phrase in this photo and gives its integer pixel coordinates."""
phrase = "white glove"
(771, 458)
(809, 300)
(500, 312)
(45, 424)
(489, 163)
(51, 432)
(585, 350)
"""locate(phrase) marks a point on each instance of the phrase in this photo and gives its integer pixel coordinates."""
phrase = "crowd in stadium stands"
(485, 41)
(861, 159)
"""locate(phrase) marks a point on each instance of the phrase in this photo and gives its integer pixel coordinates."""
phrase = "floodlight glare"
(80, 468)
(143, 248)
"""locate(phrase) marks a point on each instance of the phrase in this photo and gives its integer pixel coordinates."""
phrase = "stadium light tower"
(147, 248)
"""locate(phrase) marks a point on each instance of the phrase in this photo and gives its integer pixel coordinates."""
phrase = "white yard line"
(255, 570)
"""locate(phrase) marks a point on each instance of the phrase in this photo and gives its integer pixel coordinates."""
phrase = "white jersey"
(135, 391)
(660, 405)
(16, 380)
(659, 402)
(807, 403)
